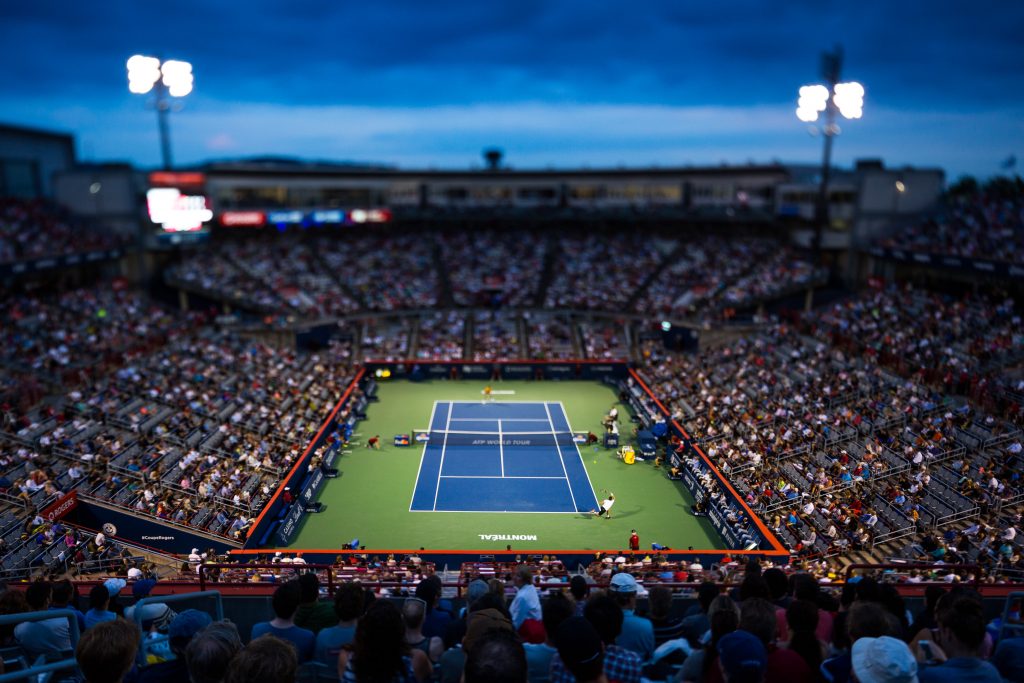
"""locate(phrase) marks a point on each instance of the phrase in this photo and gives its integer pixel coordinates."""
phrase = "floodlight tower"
(171, 78)
(845, 99)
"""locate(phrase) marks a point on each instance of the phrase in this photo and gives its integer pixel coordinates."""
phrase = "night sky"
(570, 83)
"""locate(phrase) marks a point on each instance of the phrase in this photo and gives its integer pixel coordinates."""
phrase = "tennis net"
(505, 439)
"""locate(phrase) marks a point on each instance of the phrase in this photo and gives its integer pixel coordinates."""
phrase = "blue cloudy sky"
(558, 83)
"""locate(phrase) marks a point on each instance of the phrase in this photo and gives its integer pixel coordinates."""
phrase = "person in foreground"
(380, 652)
(743, 658)
(883, 660)
(957, 643)
(106, 651)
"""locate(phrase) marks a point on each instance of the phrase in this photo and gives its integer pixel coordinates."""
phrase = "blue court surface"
(501, 457)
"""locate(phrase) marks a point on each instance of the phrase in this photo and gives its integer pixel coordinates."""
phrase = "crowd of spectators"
(442, 336)
(387, 272)
(491, 270)
(936, 339)
(150, 411)
(550, 336)
(770, 626)
(603, 274)
(708, 277)
(80, 333)
(605, 339)
(982, 224)
(841, 443)
(386, 338)
(34, 229)
(496, 336)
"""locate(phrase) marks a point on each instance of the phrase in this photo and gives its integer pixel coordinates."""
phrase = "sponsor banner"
(723, 528)
(61, 506)
(476, 370)
(133, 529)
(331, 455)
(517, 370)
(233, 219)
(691, 483)
(950, 262)
(316, 482)
(559, 370)
(508, 537)
(437, 370)
(290, 524)
(602, 371)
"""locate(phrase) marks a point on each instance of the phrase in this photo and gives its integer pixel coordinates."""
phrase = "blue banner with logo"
(949, 262)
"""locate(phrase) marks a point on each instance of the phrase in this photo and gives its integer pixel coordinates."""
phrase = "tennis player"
(487, 394)
(606, 506)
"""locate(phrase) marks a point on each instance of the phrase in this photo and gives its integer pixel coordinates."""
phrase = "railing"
(295, 569)
(148, 643)
(41, 667)
(1016, 628)
(954, 568)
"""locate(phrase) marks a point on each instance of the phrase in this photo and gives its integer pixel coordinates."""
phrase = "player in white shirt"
(606, 506)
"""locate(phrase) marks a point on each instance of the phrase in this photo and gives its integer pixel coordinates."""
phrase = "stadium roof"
(276, 166)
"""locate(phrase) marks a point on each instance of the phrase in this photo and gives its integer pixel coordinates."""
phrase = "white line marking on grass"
(444, 445)
(554, 435)
(423, 453)
(577, 447)
(484, 476)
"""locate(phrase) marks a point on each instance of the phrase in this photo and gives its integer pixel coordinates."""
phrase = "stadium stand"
(987, 224)
(33, 229)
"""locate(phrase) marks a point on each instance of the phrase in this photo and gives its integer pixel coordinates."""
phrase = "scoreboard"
(177, 205)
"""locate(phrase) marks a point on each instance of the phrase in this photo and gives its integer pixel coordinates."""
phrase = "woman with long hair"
(802, 618)
(380, 653)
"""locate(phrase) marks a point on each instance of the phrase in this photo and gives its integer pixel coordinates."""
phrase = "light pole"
(845, 99)
(171, 78)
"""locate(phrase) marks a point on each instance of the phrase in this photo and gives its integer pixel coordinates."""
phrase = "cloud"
(540, 134)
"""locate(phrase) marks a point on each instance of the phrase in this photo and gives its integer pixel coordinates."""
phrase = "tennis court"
(372, 497)
(501, 457)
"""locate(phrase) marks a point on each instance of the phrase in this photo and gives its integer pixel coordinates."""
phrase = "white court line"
(473, 476)
(501, 450)
(554, 435)
(577, 447)
(422, 454)
(491, 419)
(510, 512)
(496, 403)
(444, 445)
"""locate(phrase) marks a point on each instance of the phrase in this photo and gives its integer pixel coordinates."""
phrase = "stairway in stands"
(653, 275)
(342, 285)
(444, 296)
(547, 270)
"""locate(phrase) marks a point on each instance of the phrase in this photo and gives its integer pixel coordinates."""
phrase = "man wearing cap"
(526, 604)
(154, 615)
(883, 660)
(742, 658)
(637, 633)
(183, 628)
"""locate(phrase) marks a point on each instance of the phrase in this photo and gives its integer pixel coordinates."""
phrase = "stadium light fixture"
(844, 99)
(172, 78)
